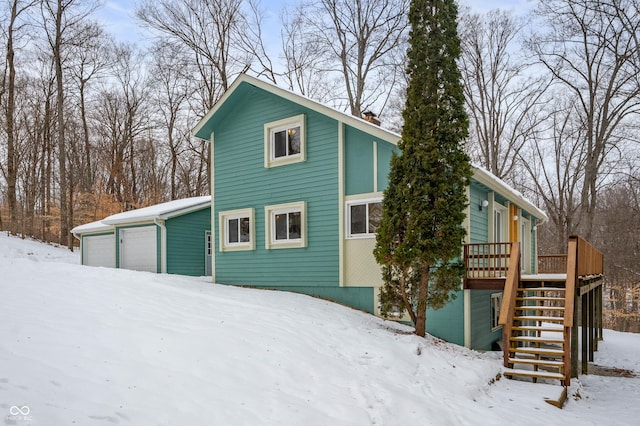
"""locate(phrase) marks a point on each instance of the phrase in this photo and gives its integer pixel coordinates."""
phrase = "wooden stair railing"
(507, 309)
(536, 341)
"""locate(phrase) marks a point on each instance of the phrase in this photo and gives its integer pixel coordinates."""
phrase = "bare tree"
(504, 96)
(210, 30)
(89, 59)
(555, 162)
(61, 19)
(593, 53)
(363, 43)
(12, 32)
(172, 91)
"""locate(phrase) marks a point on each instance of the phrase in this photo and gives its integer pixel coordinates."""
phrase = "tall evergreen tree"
(420, 236)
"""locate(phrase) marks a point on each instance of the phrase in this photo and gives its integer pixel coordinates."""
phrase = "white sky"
(118, 15)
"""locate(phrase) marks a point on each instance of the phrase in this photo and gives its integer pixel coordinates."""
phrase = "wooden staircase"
(537, 345)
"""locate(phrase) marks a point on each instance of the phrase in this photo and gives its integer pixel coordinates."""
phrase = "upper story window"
(363, 218)
(284, 141)
(286, 225)
(237, 230)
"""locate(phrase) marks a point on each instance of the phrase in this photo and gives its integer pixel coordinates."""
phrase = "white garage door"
(99, 250)
(138, 249)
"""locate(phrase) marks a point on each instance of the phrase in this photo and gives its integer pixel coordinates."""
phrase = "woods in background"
(90, 126)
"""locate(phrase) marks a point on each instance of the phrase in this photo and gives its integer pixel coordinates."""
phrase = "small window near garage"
(284, 141)
(285, 225)
(363, 218)
(496, 303)
(237, 230)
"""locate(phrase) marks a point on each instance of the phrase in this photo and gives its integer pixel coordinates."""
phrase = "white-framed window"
(496, 303)
(285, 141)
(237, 230)
(363, 218)
(286, 225)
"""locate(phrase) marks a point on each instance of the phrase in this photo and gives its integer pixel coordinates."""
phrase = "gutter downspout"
(163, 245)
(79, 239)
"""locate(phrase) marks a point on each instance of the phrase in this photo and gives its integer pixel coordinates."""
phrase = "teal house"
(296, 200)
(172, 237)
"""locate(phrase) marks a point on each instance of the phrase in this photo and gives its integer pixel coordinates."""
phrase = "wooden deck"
(564, 285)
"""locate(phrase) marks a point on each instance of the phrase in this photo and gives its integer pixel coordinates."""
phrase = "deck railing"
(487, 260)
(507, 309)
(552, 264)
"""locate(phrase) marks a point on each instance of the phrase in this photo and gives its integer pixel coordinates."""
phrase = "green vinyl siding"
(447, 323)
(358, 162)
(242, 181)
(186, 236)
(479, 219)
(355, 297)
(385, 151)
(482, 337)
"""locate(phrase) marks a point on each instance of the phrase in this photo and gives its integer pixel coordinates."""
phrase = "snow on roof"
(96, 226)
(160, 211)
(487, 178)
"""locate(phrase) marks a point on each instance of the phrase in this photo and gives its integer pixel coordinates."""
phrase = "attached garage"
(172, 237)
(97, 244)
(138, 248)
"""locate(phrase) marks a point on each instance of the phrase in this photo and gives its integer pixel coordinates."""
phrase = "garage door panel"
(138, 249)
(99, 250)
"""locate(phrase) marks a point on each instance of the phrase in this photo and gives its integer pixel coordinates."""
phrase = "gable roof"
(204, 129)
(160, 211)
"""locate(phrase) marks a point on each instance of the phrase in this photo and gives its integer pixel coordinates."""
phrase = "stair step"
(538, 351)
(537, 328)
(533, 374)
(538, 318)
(540, 308)
(551, 340)
(531, 361)
(536, 289)
(541, 298)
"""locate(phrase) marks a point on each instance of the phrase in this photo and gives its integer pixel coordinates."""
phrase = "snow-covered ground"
(96, 346)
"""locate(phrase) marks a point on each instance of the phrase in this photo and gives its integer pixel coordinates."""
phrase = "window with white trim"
(363, 218)
(496, 303)
(284, 141)
(237, 230)
(286, 225)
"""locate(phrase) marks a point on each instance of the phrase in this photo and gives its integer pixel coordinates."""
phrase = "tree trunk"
(12, 169)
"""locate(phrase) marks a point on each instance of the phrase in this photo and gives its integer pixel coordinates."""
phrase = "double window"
(286, 225)
(363, 218)
(284, 141)
(237, 230)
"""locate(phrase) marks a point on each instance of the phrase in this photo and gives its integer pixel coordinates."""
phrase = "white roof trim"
(161, 211)
(358, 123)
(92, 227)
(480, 174)
(501, 187)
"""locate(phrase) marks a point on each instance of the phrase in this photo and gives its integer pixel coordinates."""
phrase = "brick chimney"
(371, 117)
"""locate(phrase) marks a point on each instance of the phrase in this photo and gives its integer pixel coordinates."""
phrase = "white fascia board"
(501, 187)
(340, 116)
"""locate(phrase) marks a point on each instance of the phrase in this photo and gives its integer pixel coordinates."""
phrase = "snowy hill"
(89, 346)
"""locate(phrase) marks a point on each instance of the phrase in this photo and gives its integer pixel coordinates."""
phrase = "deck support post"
(584, 324)
(592, 324)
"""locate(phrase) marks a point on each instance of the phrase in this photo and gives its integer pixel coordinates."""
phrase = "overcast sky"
(117, 15)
